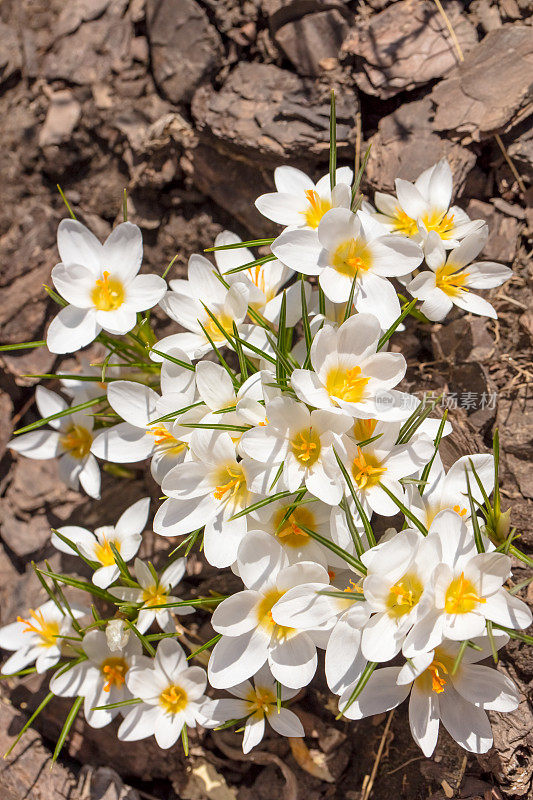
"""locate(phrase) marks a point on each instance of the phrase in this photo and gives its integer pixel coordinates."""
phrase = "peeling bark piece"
(26, 773)
(503, 231)
(510, 759)
(406, 45)
(272, 111)
(308, 41)
(185, 47)
(90, 53)
(491, 90)
(405, 145)
(63, 115)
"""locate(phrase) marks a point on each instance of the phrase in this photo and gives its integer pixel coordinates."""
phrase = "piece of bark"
(310, 41)
(26, 773)
(10, 53)
(490, 91)
(406, 144)
(406, 46)
(503, 231)
(63, 115)
(185, 48)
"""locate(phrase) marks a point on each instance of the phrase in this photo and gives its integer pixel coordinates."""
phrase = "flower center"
(404, 595)
(439, 222)
(450, 282)
(173, 699)
(108, 293)
(212, 328)
(103, 551)
(461, 596)
(291, 534)
(316, 208)
(165, 440)
(346, 384)
(306, 447)
(404, 224)
(438, 673)
(230, 483)
(264, 615)
(352, 256)
(154, 595)
(433, 510)
(363, 429)
(367, 470)
(47, 630)
(77, 441)
(261, 700)
(114, 671)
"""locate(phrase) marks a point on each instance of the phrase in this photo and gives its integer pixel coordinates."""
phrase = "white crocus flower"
(264, 282)
(186, 304)
(348, 373)
(141, 435)
(299, 202)
(350, 247)
(125, 536)
(101, 678)
(100, 283)
(246, 620)
(172, 695)
(467, 589)
(452, 276)
(70, 442)
(459, 700)
(257, 703)
(395, 588)
(423, 207)
(344, 662)
(450, 489)
(302, 441)
(381, 464)
(155, 591)
(208, 491)
(37, 638)
(297, 544)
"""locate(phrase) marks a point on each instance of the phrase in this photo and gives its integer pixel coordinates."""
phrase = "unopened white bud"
(117, 634)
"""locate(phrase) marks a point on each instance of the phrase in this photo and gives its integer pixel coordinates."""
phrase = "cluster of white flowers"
(275, 428)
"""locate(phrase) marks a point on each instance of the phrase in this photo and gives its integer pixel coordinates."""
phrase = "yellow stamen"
(367, 469)
(353, 587)
(114, 671)
(48, 631)
(459, 510)
(363, 429)
(451, 282)
(261, 700)
(154, 595)
(404, 595)
(306, 447)
(173, 699)
(77, 441)
(265, 618)
(461, 596)
(108, 293)
(231, 483)
(103, 551)
(291, 534)
(316, 209)
(165, 440)
(352, 256)
(346, 384)
(437, 221)
(438, 671)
